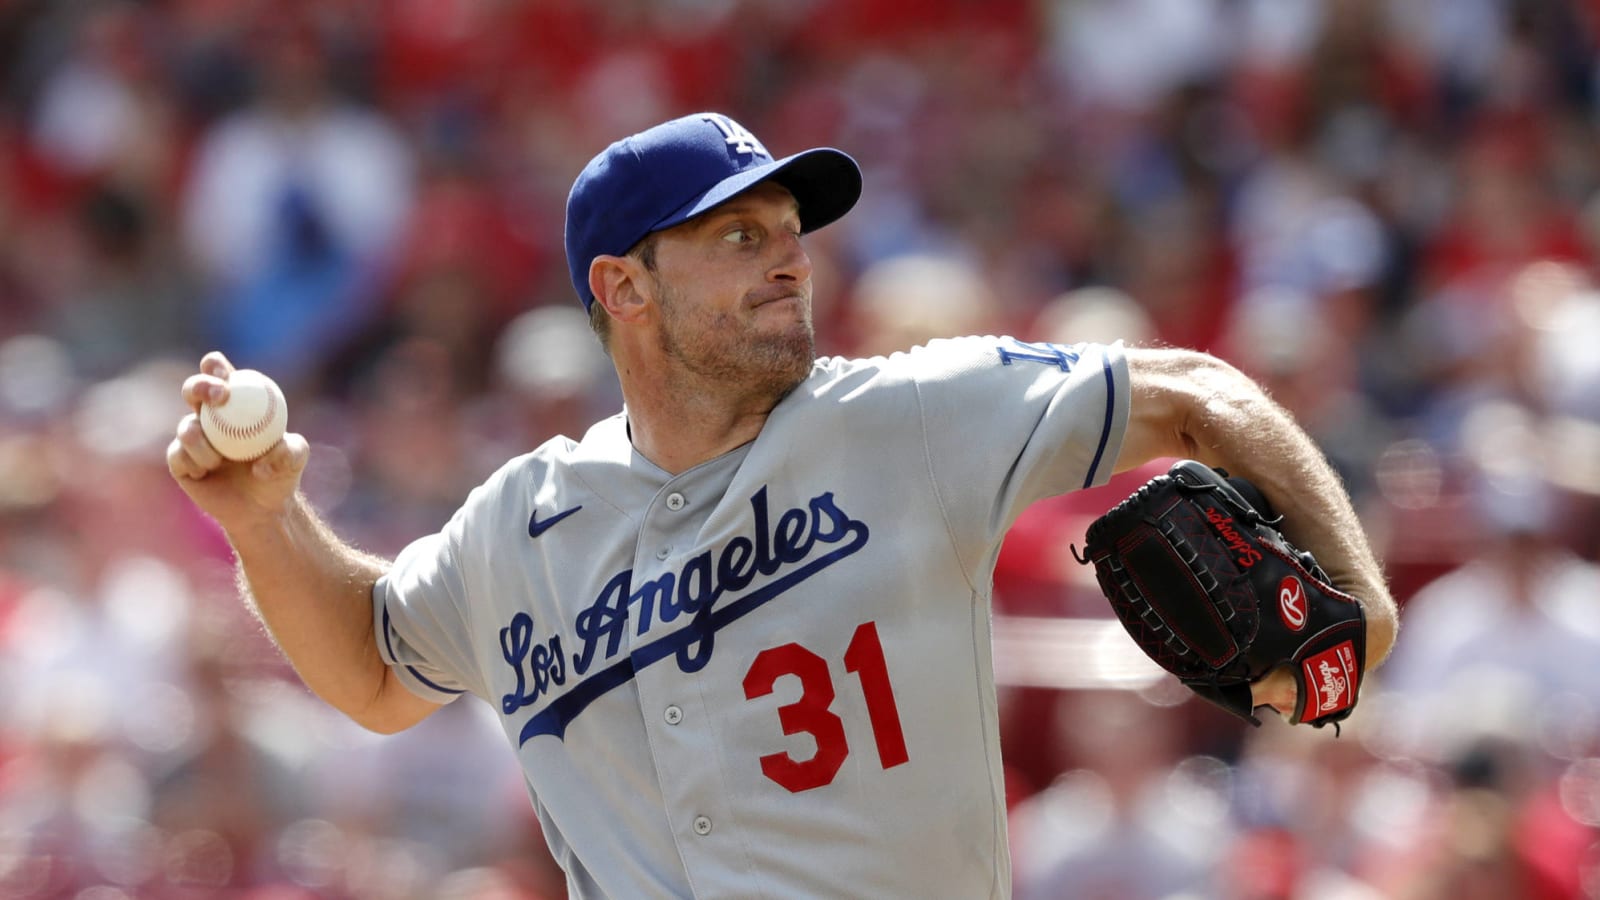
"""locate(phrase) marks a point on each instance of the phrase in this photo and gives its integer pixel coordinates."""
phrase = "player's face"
(734, 291)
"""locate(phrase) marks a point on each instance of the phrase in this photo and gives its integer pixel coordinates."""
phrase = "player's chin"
(786, 355)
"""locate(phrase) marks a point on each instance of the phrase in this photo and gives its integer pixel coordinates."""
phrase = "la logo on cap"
(737, 136)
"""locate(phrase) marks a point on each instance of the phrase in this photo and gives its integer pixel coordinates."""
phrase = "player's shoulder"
(903, 364)
(553, 453)
(498, 508)
(949, 357)
(561, 465)
(524, 474)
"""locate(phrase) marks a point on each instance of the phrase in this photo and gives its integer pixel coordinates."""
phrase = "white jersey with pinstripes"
(769, 675)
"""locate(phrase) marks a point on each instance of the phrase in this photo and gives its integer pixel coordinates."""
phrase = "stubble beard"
(726, 350)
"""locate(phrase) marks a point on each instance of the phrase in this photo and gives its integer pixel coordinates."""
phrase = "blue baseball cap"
(671, 173)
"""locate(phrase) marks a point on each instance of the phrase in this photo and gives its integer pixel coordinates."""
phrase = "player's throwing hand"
(233, 493)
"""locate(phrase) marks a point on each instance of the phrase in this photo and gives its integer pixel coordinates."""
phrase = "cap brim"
(824, 181)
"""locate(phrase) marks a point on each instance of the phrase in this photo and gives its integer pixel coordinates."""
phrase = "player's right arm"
(311, 590)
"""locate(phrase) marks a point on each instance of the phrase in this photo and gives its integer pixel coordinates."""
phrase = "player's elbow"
(392, 720)
(390, 709)
(1183, 399)
(382, 725)
(1383, 628)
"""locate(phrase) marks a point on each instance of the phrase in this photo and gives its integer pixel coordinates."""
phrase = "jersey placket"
(681, 728)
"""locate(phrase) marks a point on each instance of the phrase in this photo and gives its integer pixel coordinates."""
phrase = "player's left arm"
(1193, 405)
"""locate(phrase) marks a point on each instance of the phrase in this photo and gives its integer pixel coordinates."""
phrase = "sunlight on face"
(736, 345)
(734, 291)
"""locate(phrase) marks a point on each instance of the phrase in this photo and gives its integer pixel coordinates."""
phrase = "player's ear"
(622, 285)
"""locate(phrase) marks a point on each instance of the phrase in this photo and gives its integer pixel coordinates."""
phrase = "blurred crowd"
(1388, 211)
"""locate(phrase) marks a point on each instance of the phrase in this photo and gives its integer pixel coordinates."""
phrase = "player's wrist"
(268, 522)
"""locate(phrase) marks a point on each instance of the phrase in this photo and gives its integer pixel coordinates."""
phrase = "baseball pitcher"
(738, 633)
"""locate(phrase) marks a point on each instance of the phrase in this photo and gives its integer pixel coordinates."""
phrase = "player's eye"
(738, 236)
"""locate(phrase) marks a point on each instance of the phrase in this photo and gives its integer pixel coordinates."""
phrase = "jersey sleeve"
(1007, 422)
(419, 611)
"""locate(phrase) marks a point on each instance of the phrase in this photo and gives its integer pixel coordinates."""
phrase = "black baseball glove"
(1209, 588)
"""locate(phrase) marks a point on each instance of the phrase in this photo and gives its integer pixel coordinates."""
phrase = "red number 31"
(811, 714)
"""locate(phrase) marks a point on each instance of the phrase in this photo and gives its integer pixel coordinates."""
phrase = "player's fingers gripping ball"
(250, 421)
(1210, 590)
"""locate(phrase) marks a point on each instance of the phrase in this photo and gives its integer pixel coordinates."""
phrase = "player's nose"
(792, 262)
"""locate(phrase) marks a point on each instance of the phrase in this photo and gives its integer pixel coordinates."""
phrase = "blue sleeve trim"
(440, 688)
(387, 643)
(412, 669)
(1105, 429)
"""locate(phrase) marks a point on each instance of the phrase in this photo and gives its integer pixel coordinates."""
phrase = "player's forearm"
(313, 593)
(1236, 426)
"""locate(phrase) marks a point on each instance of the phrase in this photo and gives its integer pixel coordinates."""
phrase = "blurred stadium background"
(1389, 212)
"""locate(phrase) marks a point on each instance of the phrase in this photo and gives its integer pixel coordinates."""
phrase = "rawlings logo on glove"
(1188, 562)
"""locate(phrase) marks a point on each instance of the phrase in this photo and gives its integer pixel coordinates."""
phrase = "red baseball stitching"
(251, 431)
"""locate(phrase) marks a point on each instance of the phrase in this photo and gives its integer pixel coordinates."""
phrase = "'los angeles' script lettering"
(704, 592)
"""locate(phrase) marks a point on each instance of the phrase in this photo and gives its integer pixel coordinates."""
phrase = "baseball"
(250, 421)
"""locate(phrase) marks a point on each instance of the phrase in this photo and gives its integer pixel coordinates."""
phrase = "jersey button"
(702, 825)
(663, 553)
(673, 715)
(675, 501)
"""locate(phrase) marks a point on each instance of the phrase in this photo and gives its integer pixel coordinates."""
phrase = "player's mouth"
(775, 294)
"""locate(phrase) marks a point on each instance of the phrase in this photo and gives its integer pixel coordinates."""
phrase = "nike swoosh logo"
(536, 527)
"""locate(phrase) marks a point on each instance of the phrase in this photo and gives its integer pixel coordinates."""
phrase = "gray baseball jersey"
(770, 675)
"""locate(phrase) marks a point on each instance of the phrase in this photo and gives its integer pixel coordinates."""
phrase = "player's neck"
(679, 426)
